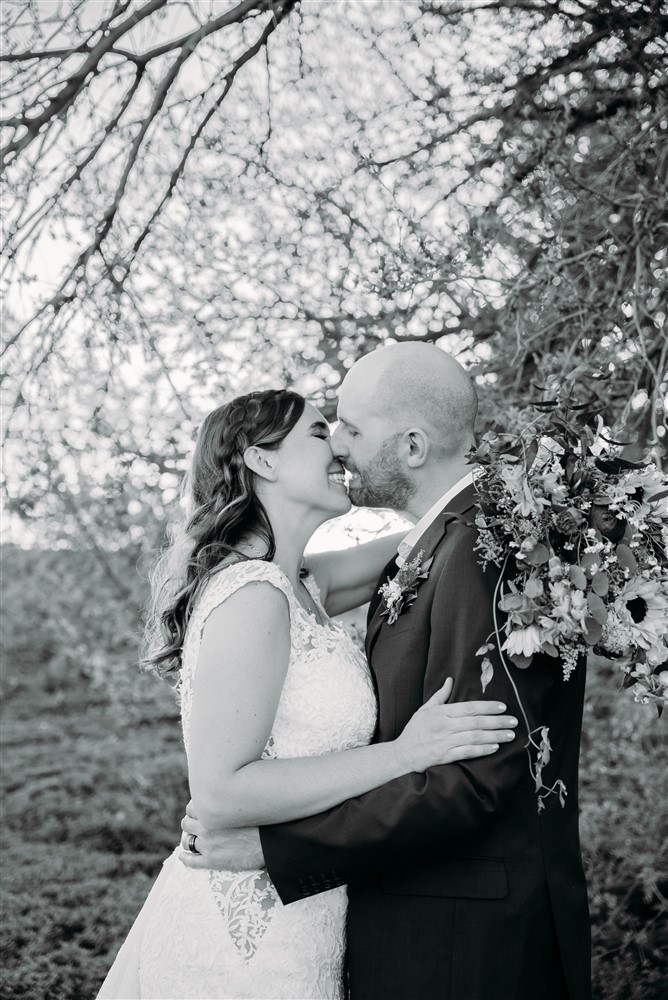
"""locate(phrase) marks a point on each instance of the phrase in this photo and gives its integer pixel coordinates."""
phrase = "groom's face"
(370, 450)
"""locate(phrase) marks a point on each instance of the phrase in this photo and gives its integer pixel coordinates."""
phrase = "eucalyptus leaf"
(597, 608)
(578, 577)
(593, 631)
(538, 555)
(626, 558)
(589, 561)
(511, 602)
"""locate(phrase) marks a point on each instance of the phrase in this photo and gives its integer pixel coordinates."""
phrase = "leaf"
(533, 587)
(600, 583)
(538, 555)
(590, 562)
(593, 631)
(426, 565)
(562, 792)
(626, 558)
(578, 577)
(521, 661)
(486, 672)
(597, 608)
(545, 748)
(511, 602)
(486, 648)
(531, 453)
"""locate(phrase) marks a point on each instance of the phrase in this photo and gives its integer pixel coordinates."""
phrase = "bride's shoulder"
(233, 576)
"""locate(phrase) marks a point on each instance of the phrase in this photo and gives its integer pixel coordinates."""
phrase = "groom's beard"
(383, 483)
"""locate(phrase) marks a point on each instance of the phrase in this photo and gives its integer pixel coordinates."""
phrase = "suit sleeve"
(418, 815)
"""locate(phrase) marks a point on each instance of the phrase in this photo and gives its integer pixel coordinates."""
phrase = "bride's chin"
(342, 507)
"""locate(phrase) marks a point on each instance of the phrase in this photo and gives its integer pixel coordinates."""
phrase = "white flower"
(523, 641)
(555, 568)
(568, 604)
(657, 654)
(515, 478)
(600, 443)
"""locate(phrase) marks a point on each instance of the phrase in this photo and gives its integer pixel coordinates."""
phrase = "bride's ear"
(261, 462)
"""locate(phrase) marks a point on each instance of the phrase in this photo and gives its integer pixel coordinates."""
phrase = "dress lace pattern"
(223, 934)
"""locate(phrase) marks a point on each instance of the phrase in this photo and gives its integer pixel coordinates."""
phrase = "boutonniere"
(402, 590)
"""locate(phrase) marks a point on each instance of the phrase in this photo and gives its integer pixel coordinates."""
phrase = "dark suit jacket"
(458, 888)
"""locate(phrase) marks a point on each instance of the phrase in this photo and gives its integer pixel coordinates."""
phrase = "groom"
(458, 888)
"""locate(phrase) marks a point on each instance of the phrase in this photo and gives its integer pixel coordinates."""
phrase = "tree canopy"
(203, 198)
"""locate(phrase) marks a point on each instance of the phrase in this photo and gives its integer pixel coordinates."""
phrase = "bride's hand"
(441, 734)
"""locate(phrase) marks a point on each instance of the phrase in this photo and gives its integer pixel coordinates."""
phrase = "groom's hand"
(224, 850)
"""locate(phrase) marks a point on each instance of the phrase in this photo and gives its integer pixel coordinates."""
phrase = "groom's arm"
(444, 808)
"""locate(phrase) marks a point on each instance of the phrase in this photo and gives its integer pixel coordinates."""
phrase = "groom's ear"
(416, 445)
(260, 462)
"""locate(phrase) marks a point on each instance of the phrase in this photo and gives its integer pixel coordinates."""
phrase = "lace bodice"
(327, 702)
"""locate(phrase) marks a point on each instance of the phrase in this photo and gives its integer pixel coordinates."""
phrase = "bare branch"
(59, 104)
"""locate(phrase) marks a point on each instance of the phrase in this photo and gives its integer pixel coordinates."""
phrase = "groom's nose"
(337, 445)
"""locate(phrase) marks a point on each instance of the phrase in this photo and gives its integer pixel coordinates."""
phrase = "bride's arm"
(241, 668)
(347, 578)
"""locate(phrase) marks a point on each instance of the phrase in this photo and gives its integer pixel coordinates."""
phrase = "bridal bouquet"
(581, 536)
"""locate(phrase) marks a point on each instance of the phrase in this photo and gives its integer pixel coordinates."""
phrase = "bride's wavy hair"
(221, 507)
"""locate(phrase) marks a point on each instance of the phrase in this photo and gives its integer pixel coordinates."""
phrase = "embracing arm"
(240, 674)
(443, 809)
(347, 578)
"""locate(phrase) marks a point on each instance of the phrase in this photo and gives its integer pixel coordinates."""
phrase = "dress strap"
(232, 578)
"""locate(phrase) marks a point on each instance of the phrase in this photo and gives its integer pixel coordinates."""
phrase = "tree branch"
(59, 104)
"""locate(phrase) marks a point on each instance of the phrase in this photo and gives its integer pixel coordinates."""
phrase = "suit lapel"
(426, 544)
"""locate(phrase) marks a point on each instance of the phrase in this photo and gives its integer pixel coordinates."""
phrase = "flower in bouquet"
(581, 536)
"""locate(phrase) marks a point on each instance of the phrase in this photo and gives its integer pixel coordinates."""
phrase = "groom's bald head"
(411, 385)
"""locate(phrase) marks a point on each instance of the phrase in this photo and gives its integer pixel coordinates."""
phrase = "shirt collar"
(416, 533)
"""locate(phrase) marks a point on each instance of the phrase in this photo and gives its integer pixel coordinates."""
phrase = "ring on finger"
(191, 844)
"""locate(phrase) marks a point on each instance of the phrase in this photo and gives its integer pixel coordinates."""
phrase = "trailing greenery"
(94, 787)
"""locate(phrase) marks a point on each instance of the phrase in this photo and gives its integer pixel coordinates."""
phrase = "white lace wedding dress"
(226, 934)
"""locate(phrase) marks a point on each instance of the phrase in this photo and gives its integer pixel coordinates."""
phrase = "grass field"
(94, 789)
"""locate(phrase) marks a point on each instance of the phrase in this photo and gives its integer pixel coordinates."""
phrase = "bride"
(278, 706)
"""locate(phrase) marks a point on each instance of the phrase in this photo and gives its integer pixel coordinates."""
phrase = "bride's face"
(305, 468)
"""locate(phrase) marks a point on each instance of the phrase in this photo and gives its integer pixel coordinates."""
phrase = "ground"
(94, 786)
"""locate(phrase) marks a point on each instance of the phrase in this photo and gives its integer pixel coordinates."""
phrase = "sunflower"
(642, 607)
